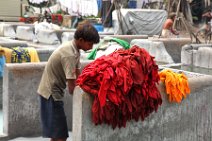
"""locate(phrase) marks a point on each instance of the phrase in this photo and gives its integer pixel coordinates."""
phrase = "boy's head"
(86, 35)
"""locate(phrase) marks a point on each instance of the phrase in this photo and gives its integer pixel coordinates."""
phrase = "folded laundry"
(123, 84)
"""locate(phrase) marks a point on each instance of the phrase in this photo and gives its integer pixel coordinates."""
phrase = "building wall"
(10, 10)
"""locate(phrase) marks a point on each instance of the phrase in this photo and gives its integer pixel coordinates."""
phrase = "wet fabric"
(33, 54)
(123, 43)
(92, 54)
(123, 84)
(20, 55)
(176, 84)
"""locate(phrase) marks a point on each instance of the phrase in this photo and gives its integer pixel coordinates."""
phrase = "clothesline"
(37, 1)
(76, 7)
(80, 7)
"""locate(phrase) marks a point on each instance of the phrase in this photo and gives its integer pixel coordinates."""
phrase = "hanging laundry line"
(38, 1)
(80, 7)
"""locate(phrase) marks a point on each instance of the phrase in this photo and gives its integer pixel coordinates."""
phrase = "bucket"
(99, 27)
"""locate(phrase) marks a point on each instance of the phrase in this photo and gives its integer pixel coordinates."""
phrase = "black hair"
(87, 31)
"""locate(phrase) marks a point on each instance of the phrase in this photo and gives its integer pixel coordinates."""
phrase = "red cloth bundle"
(57, 19)
(123, 85)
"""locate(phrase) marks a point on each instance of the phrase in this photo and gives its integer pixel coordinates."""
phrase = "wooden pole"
(177, 13)
(169, 6)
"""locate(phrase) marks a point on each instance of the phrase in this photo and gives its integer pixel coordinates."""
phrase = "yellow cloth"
(176, 85)
(7, 53)
(33, 54)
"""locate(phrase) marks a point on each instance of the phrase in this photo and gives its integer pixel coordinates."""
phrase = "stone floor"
(1, 122)
(38, 138)
(26, 138)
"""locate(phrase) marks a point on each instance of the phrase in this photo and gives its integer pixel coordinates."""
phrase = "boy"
(62, 67)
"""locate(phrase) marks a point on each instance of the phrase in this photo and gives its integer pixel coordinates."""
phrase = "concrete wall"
(172, 122)
(197, 55)
(174, 46)
(43, 54)
(190, 120)
(165, 50)
(155, 48)
(21, 115)
(127, 38)
(21, 101)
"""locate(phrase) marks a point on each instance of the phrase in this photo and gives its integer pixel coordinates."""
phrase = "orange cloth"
(176, 84)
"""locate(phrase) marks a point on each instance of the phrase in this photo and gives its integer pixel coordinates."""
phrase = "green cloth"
(123, 43)
(92, 54)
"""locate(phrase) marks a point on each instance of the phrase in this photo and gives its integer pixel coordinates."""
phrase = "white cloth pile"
(81, 7)
(44, 26)
(46, 33)
(37, 1)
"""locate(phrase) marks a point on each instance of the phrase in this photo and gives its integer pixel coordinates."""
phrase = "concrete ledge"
(127, 38)
(188, 121)
(44, 53)
(155, 48)
(21, 114)
(21, 105)
(21, 101)
(7, 42)
(172, 122)
(174, 46)
(197, 55)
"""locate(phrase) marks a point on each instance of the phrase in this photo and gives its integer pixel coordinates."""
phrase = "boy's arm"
(72, 82)
(71, 85)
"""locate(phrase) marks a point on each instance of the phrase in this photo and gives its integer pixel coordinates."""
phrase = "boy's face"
(85, 45)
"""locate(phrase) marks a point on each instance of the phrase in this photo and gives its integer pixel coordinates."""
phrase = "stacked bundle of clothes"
(123, 84)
